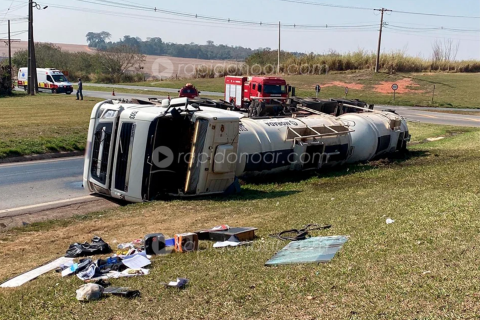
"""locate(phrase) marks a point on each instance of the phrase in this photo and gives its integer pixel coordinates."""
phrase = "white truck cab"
(49, 79)
(140, 152)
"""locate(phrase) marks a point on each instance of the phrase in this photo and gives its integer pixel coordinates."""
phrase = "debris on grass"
(98, 246)
(181, 283)
(20, 280)
(299, 234)
(434, 139)
(315, 249)
(89, 292)
(389, 221)
(233, 241)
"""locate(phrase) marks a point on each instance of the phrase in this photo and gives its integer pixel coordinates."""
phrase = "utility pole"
(9, 59)
(31, 79)
(377, 64)
(278, 62)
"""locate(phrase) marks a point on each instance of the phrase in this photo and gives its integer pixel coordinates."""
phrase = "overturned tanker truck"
(145, 150)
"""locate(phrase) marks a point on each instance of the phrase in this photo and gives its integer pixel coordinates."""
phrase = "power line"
(11, 3)
(434, 29)
(406, 32)
(436, 15)
(327, 5)
(222, 21)
(364, 8)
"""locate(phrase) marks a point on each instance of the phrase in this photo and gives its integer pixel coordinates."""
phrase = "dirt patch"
(354, 86)
(405, 85)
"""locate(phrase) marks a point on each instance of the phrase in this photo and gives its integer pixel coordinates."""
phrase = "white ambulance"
(48, 79)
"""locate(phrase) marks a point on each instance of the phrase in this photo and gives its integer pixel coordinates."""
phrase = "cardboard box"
(186, 242)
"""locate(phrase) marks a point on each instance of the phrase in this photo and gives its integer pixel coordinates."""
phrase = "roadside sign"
(394, 88)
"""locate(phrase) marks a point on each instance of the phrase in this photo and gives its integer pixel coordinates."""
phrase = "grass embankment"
(423, 266)
(456, 90)
(44, 123)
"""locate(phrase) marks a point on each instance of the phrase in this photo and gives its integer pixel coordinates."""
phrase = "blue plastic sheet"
(315, 249)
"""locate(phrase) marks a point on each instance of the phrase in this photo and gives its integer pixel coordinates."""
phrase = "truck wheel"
(54, 91)
(68, 92)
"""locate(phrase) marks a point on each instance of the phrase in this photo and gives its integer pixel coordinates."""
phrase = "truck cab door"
(103, 148)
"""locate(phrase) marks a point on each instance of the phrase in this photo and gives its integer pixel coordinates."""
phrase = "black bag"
(98, 246)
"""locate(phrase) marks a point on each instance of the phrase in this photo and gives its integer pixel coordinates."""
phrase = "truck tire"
(68, 92)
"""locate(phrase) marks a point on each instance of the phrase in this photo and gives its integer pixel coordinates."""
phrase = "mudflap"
(233, 188)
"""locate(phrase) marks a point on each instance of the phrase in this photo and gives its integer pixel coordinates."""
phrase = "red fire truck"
(242, 91)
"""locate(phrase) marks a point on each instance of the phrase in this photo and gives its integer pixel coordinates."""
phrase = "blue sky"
(64, 25)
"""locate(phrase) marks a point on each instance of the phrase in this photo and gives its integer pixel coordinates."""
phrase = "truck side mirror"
(199, 92)
(178, 90)
(293, 91)
(289, 89)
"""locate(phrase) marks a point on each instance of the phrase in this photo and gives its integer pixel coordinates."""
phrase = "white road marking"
(46, 204)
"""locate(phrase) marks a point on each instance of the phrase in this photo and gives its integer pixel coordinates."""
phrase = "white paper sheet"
(136, 262)
(30, 275)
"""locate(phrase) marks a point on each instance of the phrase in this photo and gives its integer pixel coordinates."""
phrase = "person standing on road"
(80, 89)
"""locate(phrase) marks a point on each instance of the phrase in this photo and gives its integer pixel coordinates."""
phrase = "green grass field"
(423, 266)
(456, 90)
(44, 123)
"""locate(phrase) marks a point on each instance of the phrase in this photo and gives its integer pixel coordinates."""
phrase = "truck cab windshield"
(59, 78)
(274, 89)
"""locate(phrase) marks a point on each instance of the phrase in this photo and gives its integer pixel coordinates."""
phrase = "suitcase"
(154, 243)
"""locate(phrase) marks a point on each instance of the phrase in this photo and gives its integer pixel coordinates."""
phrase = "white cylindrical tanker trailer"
(374, 134)
(142, 151)
(278, 144)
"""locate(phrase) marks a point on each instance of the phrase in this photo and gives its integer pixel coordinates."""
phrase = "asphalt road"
(422, 115)
(30, 184)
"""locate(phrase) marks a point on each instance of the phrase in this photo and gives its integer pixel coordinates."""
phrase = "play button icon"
(162, 157)
(162, 68)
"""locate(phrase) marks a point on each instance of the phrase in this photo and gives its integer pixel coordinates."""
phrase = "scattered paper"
(30, 275)
(124, 274)
(390, 221)
(231, 242)
(136, 262)
(142, 253)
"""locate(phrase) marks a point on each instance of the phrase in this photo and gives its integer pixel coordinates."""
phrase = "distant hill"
(179, 66)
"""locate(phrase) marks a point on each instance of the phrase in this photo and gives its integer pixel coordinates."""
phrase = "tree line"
(117, 64)
(156, 46)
